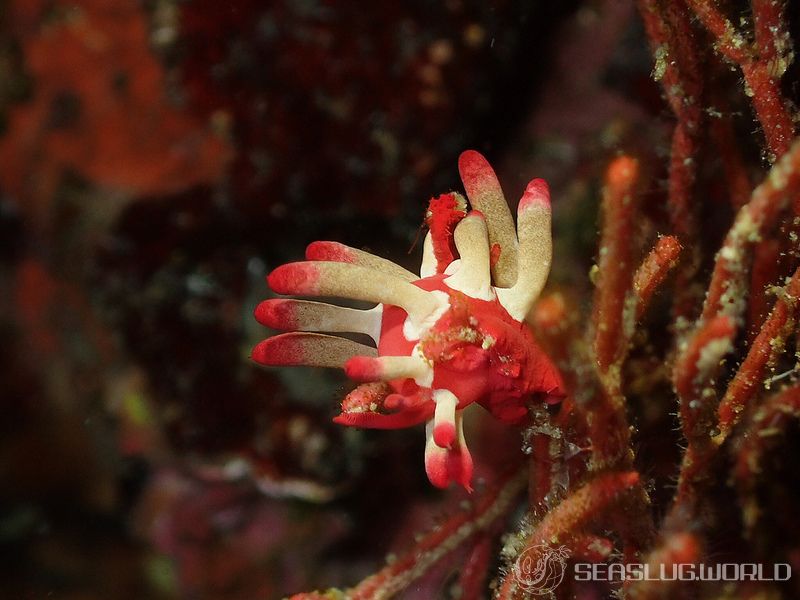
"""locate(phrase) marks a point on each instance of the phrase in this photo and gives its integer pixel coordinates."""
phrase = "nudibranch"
(453, 336)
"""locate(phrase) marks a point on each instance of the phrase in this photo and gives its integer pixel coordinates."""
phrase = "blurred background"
(157, 159)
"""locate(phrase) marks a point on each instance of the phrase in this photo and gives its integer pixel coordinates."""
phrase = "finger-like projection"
(454, 336)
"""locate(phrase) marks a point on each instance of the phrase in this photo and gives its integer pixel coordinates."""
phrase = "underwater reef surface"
(158, 159)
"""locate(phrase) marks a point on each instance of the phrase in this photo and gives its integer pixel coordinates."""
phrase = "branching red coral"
(570, 516)
(621, 298)
(612, 325)
(652, 272)
(762, 64)
(729, 282)
(678, 68)
(769, 343)
(616, 263)
(472, 580)
(404, 570)
(696, 368)
(693, 377)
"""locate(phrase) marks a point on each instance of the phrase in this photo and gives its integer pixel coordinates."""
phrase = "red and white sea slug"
(453, 336)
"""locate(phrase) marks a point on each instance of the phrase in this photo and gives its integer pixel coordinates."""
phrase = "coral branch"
(768, 344)
(615, 263)
(762, 66)
(652, 272)
(677, 66)
(446, 537)
(695, 370)
(770, 108)
(572, 515)
(728, 288)
(730, 42)
(541, 468)
(633, 522)
(772, 37)
(472, 580)
(430, 549)
(612, 317)
(693, 378)
(609, 432)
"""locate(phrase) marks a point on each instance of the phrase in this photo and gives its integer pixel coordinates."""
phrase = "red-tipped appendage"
(537, 194)
(294, 278)
(277, 314)
(278, 351)
(330, 251)
(311, 349)
(475, 170)
(363, 369)
(444, 466)
(444, 434)
(485, 194)
(572, 515)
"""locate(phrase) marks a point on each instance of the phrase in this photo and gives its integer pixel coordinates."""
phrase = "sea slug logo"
(540, 569)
